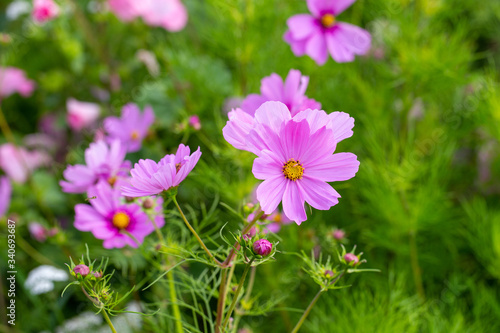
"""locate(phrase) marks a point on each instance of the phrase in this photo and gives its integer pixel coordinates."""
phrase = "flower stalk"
(237, 293)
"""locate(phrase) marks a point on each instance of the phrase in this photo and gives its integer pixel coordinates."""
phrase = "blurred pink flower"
(109, 218)
(39, 232)
(14, 80)
(125, 10)
(319, 34)
(194, 121)
(338, 234)
(296, 161)
(5, 194)
(18, 163)
(103, 162)
(44, 10)
(81, 114)
(291, 92)
(149, 177)
(131, 128)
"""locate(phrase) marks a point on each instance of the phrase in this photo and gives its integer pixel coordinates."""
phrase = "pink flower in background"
(103, 162)
(272, 223)
(291, 92)
(168, 14)
(125, 10)
(274, 114)
(18, 162)
(131, 128)
(39, 232)
(5, 194)
(44, 10)
(109, 218)
(320, 34)
(296, 161)
(81, 114)
(14, 80)
(194, 121)
(149, 177)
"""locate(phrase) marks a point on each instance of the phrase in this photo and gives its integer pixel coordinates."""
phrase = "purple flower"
(320, 33)
(291, 93)
(83, 270)
(296, 160)
(5, 194)
(262, 247)
(111, 219)
(14, 80)
(149, 177)
(131, 127)
(103, 163)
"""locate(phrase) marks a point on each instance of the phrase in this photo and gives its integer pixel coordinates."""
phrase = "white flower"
(41, 279)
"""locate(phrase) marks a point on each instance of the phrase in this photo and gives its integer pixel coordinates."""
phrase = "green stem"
(106, 317)
(221, 303)
(173, 301)
(417, 272)
(236, 294)
(250, 284)
(174, 199)
(306, 313)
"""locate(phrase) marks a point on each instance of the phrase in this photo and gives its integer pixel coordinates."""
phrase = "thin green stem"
(237, 293)
(417, 272)
(106, 317)
(173, 301)
(306, 313)
(250, 284)
(221, 302)
(174, 199)
(4, 126)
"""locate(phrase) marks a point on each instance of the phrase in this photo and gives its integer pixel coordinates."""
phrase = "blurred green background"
(424, 207)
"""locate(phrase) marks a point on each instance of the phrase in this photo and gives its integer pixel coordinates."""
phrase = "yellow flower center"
(293, 170)
(327, 20)
(112, 180)
(277, 218)
(134, 135)
(121, 220)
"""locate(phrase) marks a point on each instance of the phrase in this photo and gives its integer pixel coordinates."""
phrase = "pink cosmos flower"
(194, 121)
(103, 162)
(296, 161)
(149, 177)
(272, 223)
(5, 194)
(18, 162)
(125, 10)
(44, 10)
(81, 114)
(273, 114)
(14, 80)
(131, 128)
(39, 232)
(319, 34)
(109, 218)
(291, 93)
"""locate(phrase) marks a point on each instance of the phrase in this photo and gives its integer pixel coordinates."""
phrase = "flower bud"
(148, 203)
(83, 270)
(97, 274)
(262, 247)
(329, 274)
(338, 234)
(351, 258)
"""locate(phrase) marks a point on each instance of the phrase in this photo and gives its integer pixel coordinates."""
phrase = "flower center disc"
(327, 20)
(293, 170)
(134, 135)
(121, 220)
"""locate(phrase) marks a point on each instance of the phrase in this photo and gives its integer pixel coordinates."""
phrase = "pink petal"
(294, 138)
(298, 46)
(301, 25)
(252, 103)
(316, 48)
(321, 144)
(341, 123)
(270, 192)
(237, 128)
(336, 167)
(293, 203)
(103, 201)
(272, 114)
(267, 165)
(271, 87)
(347, 40)
(335, 7)
(317, 193)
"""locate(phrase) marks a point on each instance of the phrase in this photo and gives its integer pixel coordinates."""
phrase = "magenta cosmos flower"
(18, 163)
(291, 92)
(111, 219)
(319, 34)
(5, 194)
(103, 162)
(149, 177)
(131, 128)
(14, 80)
(81, 114)
(273, 114)
(44, 10)
(296, 160)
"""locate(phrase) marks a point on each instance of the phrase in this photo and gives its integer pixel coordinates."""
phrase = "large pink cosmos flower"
(14, 80)
(291, 93)
(5, 194)
(44, 10)
(131, 127)
(273, 114)
(18, 162)
(81, 114)
(319, 34)
(149, 177)
(168, 14)
(103, 163)
(109, 218)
